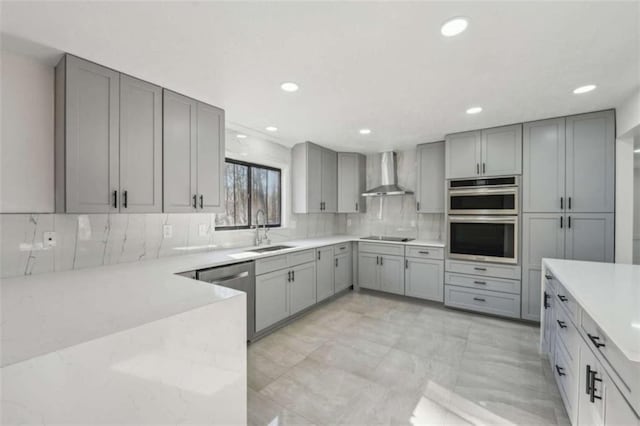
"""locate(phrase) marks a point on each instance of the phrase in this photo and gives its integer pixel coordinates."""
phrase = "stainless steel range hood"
(389, 178)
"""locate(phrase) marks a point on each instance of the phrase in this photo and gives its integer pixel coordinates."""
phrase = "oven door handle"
(508, 219)
(484, 191)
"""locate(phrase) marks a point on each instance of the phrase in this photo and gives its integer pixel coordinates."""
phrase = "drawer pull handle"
(546, 300)
(478, 268)
(592, 385)
(423, 252)
(343, 248)
(480, 282)
(588, 381)
(560, 370)
(479, 299)
(594, 340)
(548, 276)
(562, 324)
(562, 298)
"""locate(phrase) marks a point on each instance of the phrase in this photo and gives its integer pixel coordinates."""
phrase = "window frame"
(249, 187)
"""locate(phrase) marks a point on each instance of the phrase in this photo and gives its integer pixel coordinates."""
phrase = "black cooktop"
(383, 238)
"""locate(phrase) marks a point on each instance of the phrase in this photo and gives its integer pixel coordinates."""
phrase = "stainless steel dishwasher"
(239, 276)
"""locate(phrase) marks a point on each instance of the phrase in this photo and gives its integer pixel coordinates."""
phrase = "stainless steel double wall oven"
(483, 219)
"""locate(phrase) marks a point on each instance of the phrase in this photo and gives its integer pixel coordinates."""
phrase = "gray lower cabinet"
(430, 186)
(342, 276)
(352, 182)
(282, 293)
(543, 168)
(86, 137)
(368, 271)
(272, 298)
(140, 146)
(314, 179)
(576, 236)
(424, 279)
(193, 154)
(391, 274)
(491, 302)
(302, 288)
(325, 273)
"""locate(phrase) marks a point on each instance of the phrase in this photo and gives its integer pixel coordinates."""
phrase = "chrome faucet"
(265, 237)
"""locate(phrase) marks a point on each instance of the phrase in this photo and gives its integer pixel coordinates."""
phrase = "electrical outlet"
(49, 239)
(167, 231)
(203, 230)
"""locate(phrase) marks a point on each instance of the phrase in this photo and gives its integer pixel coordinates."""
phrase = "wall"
(636, 206)
(395, 215)
(26, 144)
(101, 239)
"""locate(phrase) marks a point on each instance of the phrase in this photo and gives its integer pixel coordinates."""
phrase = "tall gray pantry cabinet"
(568, 189)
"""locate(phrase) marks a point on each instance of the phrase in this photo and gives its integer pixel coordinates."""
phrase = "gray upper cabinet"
(543, 169)
(325, 273)
(314, 179)
(352, 182)
(180, 153)
(502, 151)
(210, 156)
(430, 178)
(590, 237)
(463, 155)
(140, 146)
(193, 154)
(590, 169)
(490, 152)
(87, 142)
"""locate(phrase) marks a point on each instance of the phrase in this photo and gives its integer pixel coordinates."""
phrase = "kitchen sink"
(269, 248)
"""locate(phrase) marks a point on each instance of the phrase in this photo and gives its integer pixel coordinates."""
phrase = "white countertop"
(47, 312)
(610, 294)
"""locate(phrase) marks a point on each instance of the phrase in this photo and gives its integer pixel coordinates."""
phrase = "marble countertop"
(610, 294)
(47, 312)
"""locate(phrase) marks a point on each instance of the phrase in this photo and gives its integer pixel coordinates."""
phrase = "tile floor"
(368, 358)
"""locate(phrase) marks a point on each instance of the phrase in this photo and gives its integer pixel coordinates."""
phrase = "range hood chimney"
(389, 178)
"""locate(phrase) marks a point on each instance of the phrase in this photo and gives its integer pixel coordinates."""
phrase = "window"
(249, 188)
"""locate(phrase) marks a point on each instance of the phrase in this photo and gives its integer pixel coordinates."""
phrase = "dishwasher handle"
(222, 280)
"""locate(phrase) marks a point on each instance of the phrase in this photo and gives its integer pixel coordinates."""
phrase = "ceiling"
(379, 65)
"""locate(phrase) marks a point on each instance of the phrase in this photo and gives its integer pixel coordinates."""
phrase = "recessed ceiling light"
(241, 136)
(454, 27)
(289, 86)
(365, 131)
(474, 110)
(271, 128)
(584, 89)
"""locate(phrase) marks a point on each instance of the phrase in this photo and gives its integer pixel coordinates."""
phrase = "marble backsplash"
(84, 241)
(395, 215)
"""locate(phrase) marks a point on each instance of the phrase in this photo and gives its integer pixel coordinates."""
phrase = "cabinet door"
(548, 321)
(424, 279)
(351, 181)
(314, 178)
(616, 409)
(329, 181)
(392, 274)
(430, 185)
(210, 156)
(590, 236)
(591, 162)
(179, 153)
(324, 273)
(302, 289)
(342, 276)
(140, 146)
(543, 168)
(542, 237)
(92, 129)
(368, 271)
(272, 299)
(502, 151)
(463, 155)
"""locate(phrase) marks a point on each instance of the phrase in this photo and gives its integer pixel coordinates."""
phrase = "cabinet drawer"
(425, 252)
(623, 368)
(490, 302)
(484, 269)
(567, 334)
(270, 264)
(567, 302)
(300, 257)
(392, 249)
(483, 283)
(341, 248)
(564, 371)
